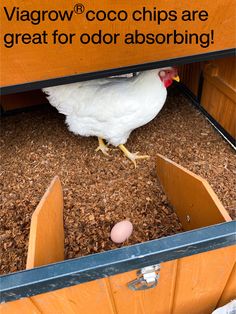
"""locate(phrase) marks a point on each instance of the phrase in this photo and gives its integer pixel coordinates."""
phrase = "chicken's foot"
(102, 147)
(132, 156)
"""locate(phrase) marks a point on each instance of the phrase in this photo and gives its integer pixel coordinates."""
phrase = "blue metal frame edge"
(84, 269)
(115, 71)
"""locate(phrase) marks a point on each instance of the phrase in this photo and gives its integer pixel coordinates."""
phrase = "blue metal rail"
(84, 269)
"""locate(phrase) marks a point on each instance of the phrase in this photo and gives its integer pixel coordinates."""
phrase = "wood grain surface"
(193, 199)
(46, 240)
(24, 63)
(219, 92)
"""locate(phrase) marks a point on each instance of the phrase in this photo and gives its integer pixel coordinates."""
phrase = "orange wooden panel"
(89, 298)
(195, 202)
(27, 63)
(220, 107)
(219, 93)
(229, 292)
(223, 87)
(201, 280)
(225, 70)
(24, 306)
(46, 241)
(158, 300)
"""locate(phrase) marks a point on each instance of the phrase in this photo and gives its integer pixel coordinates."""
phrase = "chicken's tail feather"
(58, 97)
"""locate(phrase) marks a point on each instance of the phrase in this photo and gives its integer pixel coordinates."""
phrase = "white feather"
(229, 308)
(109, 108)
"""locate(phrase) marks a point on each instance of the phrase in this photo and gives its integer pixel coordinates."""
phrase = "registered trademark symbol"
(79, 8)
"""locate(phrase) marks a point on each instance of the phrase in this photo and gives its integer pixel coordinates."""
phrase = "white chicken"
(229, 308)
(112, 108)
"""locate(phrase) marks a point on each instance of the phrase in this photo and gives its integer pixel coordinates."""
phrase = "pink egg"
(121, 231)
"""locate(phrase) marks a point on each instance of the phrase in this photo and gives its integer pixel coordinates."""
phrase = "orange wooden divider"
(46, 241)
(202, 278)
(192, 197)
(47, 246)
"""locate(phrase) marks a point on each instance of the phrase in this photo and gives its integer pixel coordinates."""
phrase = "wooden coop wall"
(194, 284)
(218, 94)
(46, 61)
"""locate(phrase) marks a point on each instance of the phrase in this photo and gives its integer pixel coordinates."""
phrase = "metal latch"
(147, 278)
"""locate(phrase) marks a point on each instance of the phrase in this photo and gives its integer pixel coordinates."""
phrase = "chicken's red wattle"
(167, 83)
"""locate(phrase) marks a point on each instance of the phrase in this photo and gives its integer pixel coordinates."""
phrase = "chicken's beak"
(176, 78)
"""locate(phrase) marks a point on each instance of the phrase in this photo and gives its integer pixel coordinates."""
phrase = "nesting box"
(190, 272)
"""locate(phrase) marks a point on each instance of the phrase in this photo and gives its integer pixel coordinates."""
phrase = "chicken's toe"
(102, 147)
(132, 156)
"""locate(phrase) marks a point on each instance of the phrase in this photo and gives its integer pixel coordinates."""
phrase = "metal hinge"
(147, 278)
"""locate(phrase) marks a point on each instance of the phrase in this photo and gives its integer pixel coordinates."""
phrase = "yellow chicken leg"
(102, 147)
(132, 156)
